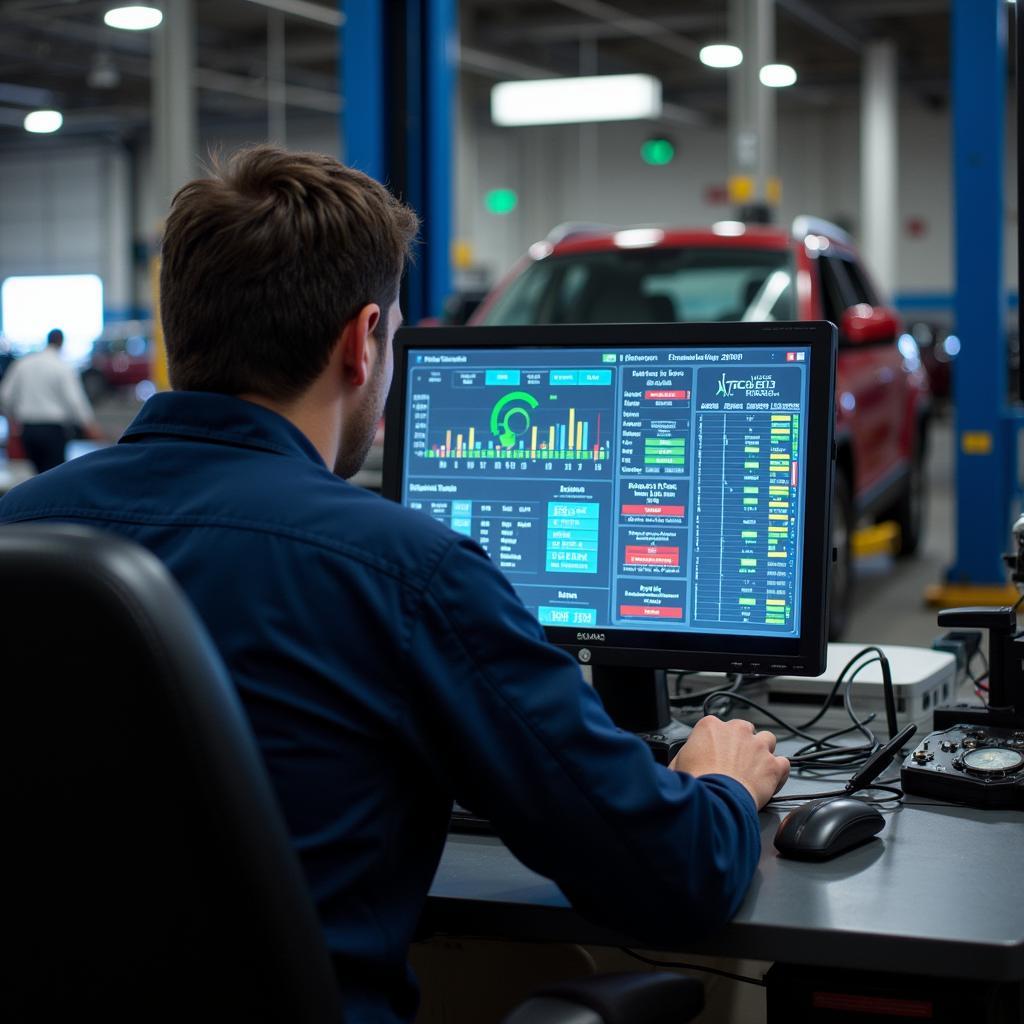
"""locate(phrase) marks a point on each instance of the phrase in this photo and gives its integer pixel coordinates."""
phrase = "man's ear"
(358, 350)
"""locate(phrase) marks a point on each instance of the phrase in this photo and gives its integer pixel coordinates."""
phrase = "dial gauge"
(993, 761)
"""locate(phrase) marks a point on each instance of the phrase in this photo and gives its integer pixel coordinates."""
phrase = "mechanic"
(385, 663)
(43, 395)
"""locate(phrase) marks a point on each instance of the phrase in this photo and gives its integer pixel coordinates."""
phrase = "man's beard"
(362, 427)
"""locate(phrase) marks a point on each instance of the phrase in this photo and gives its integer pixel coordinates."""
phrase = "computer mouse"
(821, 829)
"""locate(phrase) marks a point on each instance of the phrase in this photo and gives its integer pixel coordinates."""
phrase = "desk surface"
(940, 892)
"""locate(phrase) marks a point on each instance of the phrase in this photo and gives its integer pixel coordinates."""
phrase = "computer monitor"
(659, 495)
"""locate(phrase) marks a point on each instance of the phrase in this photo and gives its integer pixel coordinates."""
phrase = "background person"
(43, 395)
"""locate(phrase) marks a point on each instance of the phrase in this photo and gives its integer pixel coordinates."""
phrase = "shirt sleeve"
(526, 742)
(76, 399)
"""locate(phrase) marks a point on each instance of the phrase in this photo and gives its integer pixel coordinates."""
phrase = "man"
(43, 395)
(386, 664)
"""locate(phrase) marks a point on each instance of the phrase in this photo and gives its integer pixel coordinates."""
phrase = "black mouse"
(821, 829)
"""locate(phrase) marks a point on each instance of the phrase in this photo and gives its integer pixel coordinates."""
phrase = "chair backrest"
(146, 868)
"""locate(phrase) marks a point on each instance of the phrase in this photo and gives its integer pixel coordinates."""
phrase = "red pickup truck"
(733, 271)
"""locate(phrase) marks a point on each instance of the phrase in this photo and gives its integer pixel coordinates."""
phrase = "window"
(674, 285)
(30, 307)
(836, 288)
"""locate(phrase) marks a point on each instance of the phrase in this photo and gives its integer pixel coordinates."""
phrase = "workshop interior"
(709, 373)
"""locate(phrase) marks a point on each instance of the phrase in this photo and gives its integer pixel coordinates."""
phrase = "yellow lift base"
(967, 595)
(880, 539)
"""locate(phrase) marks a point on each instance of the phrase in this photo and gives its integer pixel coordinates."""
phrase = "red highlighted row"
(666, 396)
(643, 555)
(654, 510)
(650, 612)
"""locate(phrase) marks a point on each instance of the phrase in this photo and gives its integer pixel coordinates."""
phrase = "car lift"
(986, 428)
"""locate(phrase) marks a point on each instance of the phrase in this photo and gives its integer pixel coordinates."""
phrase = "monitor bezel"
(724, 652)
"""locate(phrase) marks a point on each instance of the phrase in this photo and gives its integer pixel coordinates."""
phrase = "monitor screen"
(657, 494)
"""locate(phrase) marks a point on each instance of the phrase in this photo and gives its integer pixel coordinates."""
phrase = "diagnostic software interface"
(626, 488)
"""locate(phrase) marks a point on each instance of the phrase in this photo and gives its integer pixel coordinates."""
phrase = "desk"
(940, 893)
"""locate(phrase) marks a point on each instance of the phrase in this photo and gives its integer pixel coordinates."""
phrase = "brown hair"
(265, 262)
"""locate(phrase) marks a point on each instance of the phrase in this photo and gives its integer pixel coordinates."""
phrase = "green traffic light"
(501, 201)
(658, 152)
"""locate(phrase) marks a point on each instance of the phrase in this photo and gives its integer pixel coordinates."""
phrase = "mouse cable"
(691, 967)
(800, 798)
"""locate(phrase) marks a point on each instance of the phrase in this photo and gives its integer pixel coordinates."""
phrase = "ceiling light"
(777, 76)
(721, 55)
(136, 18)
(43, 122)
(576, 100)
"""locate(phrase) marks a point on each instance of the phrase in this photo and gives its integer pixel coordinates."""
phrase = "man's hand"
(734, 749)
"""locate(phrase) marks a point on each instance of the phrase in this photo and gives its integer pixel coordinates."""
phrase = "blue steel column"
(983, 425)
(441, 54)
(363, 64)
(398, 77)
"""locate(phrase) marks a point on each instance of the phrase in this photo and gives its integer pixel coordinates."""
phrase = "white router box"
(922, 680)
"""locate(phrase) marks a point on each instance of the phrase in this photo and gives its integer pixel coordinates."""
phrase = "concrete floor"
(889, 604)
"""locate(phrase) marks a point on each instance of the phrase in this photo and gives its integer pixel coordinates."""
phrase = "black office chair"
(146, 870)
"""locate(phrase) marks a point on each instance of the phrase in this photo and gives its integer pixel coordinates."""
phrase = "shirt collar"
(223, 419)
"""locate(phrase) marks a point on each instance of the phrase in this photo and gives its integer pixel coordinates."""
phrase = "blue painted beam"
(398, 60)
(440, 87)
(985, 442)
(361, 44)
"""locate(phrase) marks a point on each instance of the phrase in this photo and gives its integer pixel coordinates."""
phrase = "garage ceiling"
(59, 53)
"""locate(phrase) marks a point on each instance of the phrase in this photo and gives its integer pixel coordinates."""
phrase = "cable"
(822, 754)
(897, 795)
(682, 700)
(691, 967)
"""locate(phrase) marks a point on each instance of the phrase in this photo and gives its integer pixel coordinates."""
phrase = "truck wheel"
(841, 582)
(909, 510)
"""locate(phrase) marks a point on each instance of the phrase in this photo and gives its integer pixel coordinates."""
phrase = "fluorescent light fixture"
(729, 228)
(576, 100)
(135, 18)
(43, 122)
(638, 238)
(777, 76)
(32, 306)
(721, 55)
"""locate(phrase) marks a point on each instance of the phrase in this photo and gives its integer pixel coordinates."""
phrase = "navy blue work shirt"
(388, 667)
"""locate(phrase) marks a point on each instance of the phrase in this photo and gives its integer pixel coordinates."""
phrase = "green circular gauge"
(993, 761)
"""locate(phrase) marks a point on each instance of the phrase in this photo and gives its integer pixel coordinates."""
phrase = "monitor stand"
(636, 700)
